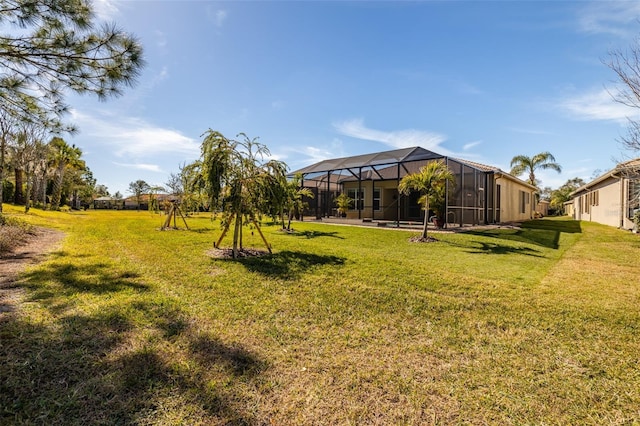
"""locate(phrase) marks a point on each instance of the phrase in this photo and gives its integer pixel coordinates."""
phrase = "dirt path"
(11, 264)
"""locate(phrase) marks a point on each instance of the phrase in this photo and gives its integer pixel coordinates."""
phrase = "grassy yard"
(126, 324)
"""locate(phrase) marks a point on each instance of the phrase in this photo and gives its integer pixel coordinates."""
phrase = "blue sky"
(484, 81)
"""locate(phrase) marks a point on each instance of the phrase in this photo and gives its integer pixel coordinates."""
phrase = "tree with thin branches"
(521, 164)
(430, 182)
(51, 45)
(240, 180)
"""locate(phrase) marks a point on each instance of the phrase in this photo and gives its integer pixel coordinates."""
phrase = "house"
(481, 194)
(108, 203)
(160, 201)
(611, 199)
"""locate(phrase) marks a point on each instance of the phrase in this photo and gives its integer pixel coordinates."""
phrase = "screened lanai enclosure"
(371, 181)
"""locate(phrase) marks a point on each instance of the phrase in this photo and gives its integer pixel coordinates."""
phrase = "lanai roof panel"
(367, 160)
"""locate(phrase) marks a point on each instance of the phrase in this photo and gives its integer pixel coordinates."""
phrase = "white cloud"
(134, 137)
(597, 105)
(310, 154)
(218, 17)
(611, 17)
(161, 40)
(140, 166)
(105, 10)
(529, 131)
(397, 139)
(470, 145)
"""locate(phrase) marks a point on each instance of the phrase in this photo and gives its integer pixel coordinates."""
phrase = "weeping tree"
(430, 181)
(239, 182)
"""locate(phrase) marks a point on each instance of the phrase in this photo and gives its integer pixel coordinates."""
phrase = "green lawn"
(126, 324)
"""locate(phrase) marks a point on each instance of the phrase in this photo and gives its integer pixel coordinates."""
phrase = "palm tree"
(521, 164)
(294, 193)
(429, 181)
(63, 156)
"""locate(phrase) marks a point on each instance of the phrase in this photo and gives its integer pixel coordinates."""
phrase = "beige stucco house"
(611, 199)
(481, 194)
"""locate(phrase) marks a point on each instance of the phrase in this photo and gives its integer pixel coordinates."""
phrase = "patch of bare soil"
(227, 253)
(419, 239)
(33, 250)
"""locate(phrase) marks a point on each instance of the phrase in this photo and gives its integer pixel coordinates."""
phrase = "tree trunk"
(57, 188)
(29, 190)
(3, 144)
(18, 193)
(426, 219)
(236, 235)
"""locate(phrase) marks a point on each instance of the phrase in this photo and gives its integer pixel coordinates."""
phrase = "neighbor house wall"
(602, 203)
(517, 200)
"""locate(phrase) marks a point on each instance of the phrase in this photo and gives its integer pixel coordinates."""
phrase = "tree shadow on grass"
(289, 265)
(97, 278)
(78, 369)
(545, 233)
(315, 234)
(493, 248)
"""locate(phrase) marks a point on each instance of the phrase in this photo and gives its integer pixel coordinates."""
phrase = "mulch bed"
(227, 253)
(419, 239)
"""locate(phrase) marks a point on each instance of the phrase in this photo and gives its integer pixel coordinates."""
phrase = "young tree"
(54, 45)
(430, 181)
(293, 198)
(238, 181)
(522, 164)
(139, 188)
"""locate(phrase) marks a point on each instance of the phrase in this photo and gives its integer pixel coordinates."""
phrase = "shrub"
(13, 232)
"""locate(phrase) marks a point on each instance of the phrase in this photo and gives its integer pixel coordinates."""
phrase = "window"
(634, 197)
(524, 201)
(591, 199)
(376, 199)
(357, 197)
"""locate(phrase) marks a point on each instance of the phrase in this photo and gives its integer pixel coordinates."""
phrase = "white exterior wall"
(511, 203)
(605, 203)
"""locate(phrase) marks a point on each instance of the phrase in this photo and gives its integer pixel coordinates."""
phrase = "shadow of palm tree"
(289, 265)
(545, 233)
(314, 234)
(493, 248)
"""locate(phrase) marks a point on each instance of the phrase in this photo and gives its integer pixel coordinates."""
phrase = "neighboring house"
(481, 194)
(131, 203)
(108, 203)
(611, 199)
